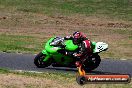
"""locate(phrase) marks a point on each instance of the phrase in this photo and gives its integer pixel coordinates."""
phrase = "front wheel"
(91, 63)
(38, 61)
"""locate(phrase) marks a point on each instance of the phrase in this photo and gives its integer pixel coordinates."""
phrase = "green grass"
(119, 43)
(17, 43)
(48, 75)
(4, 71)
(130, 37)
(113, 8)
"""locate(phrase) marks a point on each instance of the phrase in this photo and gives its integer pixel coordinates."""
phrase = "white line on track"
(26, 71)
(123, 59)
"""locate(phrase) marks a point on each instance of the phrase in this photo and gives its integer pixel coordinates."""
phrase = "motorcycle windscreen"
(70, 46)
(51, 49)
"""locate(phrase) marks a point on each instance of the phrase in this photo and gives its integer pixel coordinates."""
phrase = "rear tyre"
(38, 61)
(92, 63)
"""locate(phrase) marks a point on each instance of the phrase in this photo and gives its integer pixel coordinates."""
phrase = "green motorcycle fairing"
(70, 46)
(51, 52)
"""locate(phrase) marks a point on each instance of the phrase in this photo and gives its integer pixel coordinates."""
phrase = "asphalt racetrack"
(24, 62)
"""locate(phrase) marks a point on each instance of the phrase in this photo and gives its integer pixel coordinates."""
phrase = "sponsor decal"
(108, 78)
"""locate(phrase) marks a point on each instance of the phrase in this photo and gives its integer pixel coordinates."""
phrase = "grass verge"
(119, 44)
(44, 80)
(115, 9)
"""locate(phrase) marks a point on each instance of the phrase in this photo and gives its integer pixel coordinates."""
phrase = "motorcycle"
(51, 56)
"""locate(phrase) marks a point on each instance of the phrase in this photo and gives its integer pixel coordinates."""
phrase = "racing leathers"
(84, 48)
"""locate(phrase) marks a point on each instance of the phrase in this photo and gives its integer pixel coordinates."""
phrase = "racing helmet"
(77, 36)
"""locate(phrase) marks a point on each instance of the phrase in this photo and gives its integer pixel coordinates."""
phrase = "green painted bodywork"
(93, 45)
(51, 52)
(51, 49)
(70, 46)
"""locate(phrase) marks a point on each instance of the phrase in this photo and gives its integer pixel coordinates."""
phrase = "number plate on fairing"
(101, 46)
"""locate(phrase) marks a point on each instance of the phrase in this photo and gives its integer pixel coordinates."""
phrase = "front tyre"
(38, 61)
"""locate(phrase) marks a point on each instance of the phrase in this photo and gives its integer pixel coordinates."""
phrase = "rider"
(84, 46)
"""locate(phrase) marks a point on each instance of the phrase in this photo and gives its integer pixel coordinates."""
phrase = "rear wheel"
(92, 63)
(38, 61)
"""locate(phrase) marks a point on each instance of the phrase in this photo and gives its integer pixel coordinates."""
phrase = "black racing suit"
(81, 50)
